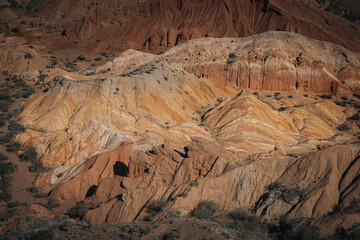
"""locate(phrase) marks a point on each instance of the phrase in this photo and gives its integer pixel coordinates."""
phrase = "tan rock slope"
(274, 61)
(329, 183)
(186, 126)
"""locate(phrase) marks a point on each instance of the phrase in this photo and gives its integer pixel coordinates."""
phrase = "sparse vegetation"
(15, 29)
(7, 168)
(248, 225)
(15, 127)
(326, 96)
(294, 230)
(51, 204)
(154, 208)
(3, 157)
(2, 123)
(78, 211)
(232, 56)
(356, 116)
(13, 147)
(287, 193)
(343, 127)
(30, 155)
(357, 95)
(28, 56)
(204, 210)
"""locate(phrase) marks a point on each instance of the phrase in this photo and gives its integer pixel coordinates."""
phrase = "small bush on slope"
(204, 210)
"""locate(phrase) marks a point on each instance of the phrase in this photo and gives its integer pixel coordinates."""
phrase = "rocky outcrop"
(274, 61)
(73, 120)
(325, 178)
(159, 25)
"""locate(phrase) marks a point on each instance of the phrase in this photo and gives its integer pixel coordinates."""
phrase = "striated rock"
(326, 179)
(246, 125)
(159, 25)
(12, 57)
(274, 61)
(107, 175)
(82, 118)
(332, 180)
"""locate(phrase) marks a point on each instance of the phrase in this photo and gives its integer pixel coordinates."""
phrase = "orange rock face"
(159, 25)
(321, 186)
(186, 126)
(274, 61)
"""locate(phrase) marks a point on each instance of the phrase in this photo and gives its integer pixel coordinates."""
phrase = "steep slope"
(347, 9)
(275, 61)
(187, 125)
(150, 98)
(71, 120)
(159, 25)
(246, 187)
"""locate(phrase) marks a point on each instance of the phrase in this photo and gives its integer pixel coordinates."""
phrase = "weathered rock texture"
(184, 126)
(159, 25)
(272, 61)
(330, 180)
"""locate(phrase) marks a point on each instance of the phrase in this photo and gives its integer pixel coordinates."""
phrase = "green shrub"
(274, 186)
(80, 58)
(15, 29)
(154, 208)
(51, 204)
(44, 234)
(248, 225)
(15, 112)
(337, 102)
(356, 95)
(16, 204)
(288, 194)
(78, 211)
(7, 138)
(2, 123)
(15, 127)
(13, 147)
(28, 93)
(30, 155)
(306, 232)
(343, 127)
(4, 106)
(204, 210)
(40, 195)
(356, 116)
(7, 168)
(3, 157)
(33, 190)
(5, 196)
(172, 235)
(326, 96)
(28, 56)
(4, 96)
(232, 56)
